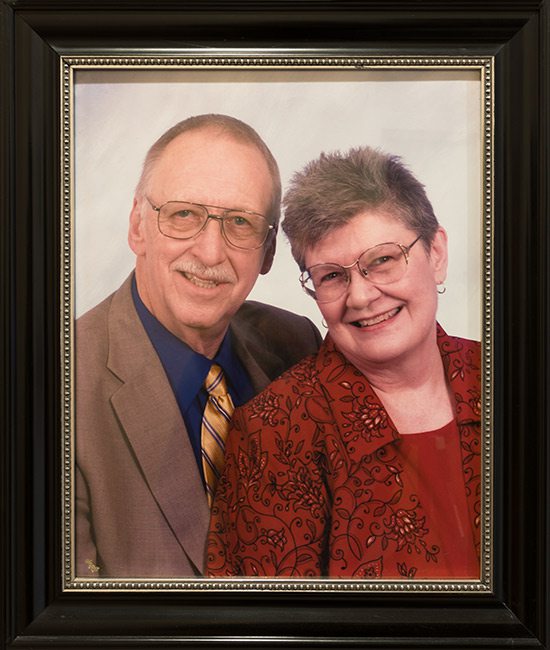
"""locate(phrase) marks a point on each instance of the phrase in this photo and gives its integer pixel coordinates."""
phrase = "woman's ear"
(439, 255)
(136, 229)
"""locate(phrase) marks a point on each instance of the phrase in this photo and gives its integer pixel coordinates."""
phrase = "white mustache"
(209, 273)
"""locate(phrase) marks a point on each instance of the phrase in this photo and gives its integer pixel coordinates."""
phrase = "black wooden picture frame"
(35, 610)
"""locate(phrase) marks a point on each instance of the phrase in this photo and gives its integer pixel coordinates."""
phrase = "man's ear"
(269, 254)
(136, 229)
(439, 255)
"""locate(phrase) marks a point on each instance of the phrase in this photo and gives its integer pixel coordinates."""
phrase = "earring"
(324, 323)
(441, 290)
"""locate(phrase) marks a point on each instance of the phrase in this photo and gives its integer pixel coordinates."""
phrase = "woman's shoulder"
(449, 344)
(296, 380)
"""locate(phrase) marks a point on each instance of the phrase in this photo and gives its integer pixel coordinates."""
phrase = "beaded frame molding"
(70, 66)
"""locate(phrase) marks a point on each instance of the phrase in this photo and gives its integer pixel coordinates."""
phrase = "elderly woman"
(362, 461)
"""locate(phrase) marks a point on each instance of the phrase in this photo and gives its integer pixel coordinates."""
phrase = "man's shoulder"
(269, 316)
(277, 329)
(272, 338)
(98, 316)
(108, 324)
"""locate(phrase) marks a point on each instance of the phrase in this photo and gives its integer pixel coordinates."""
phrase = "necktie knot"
(215, 427)
(215, 383)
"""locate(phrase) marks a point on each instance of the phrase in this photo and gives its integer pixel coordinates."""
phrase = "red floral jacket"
(312, 485)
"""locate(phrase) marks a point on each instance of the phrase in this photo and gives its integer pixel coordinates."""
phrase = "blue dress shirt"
(186, 371)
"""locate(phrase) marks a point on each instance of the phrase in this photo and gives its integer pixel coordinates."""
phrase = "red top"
(435, 460)
(317, 479)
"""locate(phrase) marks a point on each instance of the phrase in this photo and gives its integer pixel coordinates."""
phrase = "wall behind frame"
(431, 118)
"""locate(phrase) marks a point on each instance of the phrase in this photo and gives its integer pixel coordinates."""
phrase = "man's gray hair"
(329, 191)
(227, 125)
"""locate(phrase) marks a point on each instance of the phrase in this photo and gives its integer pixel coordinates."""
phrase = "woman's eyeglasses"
(381, 264)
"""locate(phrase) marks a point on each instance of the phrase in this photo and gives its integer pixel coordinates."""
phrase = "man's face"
(195, 286)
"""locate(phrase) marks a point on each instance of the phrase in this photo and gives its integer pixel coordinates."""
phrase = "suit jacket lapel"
(149, 414)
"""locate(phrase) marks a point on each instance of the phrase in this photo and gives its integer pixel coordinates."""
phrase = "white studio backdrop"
(431, 118)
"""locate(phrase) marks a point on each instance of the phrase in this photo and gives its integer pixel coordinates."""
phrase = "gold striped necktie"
(215, 426)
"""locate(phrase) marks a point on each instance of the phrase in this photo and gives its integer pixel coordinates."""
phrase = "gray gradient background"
(431, 118)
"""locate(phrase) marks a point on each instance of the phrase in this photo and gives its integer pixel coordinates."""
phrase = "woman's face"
(378, 325)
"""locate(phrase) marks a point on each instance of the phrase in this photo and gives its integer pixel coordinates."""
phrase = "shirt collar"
(187, 369)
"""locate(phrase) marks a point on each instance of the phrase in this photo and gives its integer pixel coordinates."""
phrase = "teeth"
(377, 319)
(199, 282)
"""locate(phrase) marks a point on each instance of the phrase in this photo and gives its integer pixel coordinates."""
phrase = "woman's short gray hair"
(226, 124)
(332, 189)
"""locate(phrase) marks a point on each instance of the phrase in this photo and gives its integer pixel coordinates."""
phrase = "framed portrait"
(460, 94)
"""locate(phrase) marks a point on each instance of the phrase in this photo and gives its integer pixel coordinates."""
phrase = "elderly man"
(162, 362)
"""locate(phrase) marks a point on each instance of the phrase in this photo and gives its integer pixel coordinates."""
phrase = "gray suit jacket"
(141, 510)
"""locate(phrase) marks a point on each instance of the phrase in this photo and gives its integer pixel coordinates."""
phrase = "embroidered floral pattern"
(266, 407)
(406, 529)
(302, 489)
(313, 484)
(369, 570)
(367, 418)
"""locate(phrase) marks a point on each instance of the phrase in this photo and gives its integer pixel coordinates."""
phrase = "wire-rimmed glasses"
(381, 264)
(185, 220)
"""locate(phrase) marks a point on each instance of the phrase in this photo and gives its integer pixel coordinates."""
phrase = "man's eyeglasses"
(184, 220)
(381, 264)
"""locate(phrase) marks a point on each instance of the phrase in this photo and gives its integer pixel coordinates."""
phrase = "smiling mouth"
(200, 282)
(369, 322)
